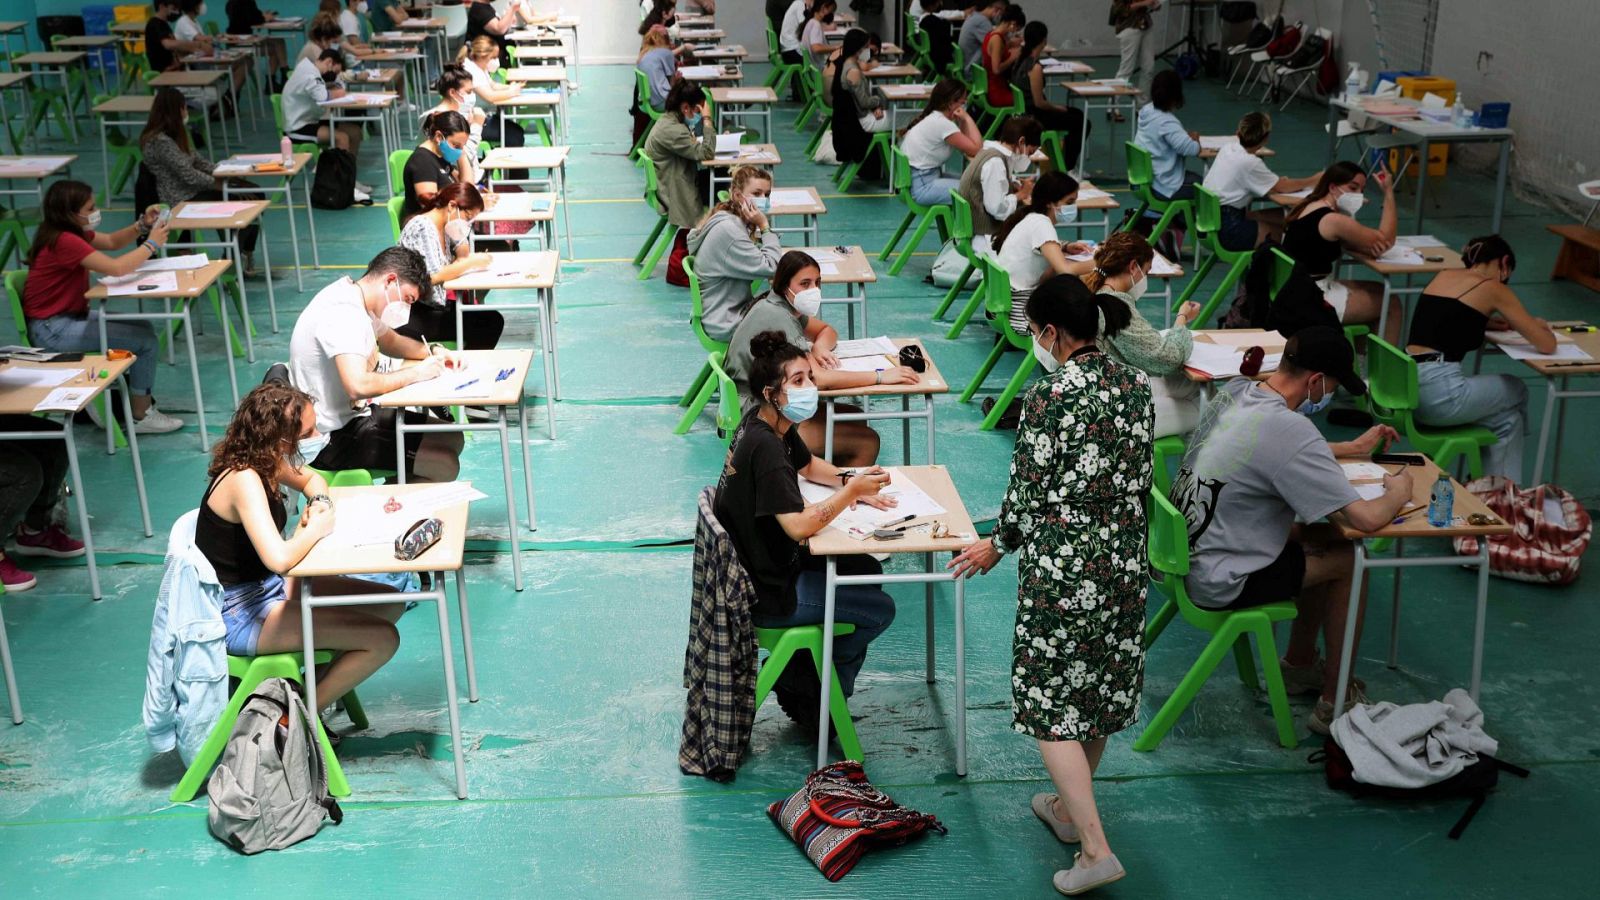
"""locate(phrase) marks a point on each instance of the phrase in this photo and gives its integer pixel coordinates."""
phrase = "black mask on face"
(174, 16)
(330, 77)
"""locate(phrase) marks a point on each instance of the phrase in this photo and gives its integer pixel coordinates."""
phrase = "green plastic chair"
(125, 156)
(822, 108)
(394, 204)
(937, 214)
(917, 43)
(1282, 269)
(812, 95)
(45, 101)
(77, 80)
(1392, 396)
(781, 645)
(959, 70)
(997, 284)
(728, 411)
(961, 233)
(1141, 178)
(132, 66)
(1169, 555)
(1163, 451)
(14, 238)
(781, 72)
(1053, 143)
(660, 236)
(397, 170)
(251, 672)
(996, 114)
(641, 83)
(1207, 225)
(277, 119)
(880, 143)
(699, 393)
(13, 283)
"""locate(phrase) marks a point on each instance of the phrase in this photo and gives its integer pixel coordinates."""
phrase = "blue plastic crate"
(97, 19)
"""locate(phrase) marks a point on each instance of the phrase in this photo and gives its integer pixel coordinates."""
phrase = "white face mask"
(1137, 289)
(468, 100)
(1045, 357)
(1066, 215)
(808, 302)
(93, 219)
(396, 313)
(311, 446)
(1351, 203)
(493, 66)
(864, 55)
(1019, 161)
(458, 231)
(201, 11)
(361, 8)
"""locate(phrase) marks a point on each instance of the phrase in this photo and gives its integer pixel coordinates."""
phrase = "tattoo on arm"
(824, 511)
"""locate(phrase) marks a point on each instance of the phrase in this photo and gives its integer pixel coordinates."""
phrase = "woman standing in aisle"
(1074, 515)
(1130, 19)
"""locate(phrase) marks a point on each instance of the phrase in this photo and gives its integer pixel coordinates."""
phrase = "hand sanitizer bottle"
(287, 150)
(1352, 83)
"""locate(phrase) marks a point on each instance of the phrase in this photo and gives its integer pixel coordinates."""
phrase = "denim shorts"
(244, 609)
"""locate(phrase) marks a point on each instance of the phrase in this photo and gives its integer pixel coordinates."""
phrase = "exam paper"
(866, 363)
(1402, 256)
(1086, 194)
(736, 94)
(31, 377)
(1418, 241)
(218, 210)
(875, 346)
(861, 521)
(1217, 142)
(361, 521)
(790, 197)
(728, 144)
(699, 71)
(64, 399)
(1364, 471)
(176, 263)
(141, 283)
(1563, 353)
(1243, 340)
(1162, 266)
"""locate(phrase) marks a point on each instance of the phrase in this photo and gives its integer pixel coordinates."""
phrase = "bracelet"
(845, 475)
(878, 376)
(320, 498)
(151, 246)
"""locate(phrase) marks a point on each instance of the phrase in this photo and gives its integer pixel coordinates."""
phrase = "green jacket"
(676, 153)
(1145, 347)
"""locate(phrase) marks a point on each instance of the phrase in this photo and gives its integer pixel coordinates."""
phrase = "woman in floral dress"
(1074, 514)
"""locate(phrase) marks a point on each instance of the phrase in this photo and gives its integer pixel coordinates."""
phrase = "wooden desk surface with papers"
(749, 155)
(189, 78)
(126, 103)
(20, 400)
(1240, 338)
(929, 381)
(34, 167)
(736, 95)
(511, 271)
(335, 555)
(1449, 259)
(1586, 341)
(1414, 517)
(525, 158)
(894, 72)
(813, 206)
(935, 482)
(537, 74)
(520, 207)
(243, 213)
(191, 283)
(849, 267)
(450, 389)
(262, 165)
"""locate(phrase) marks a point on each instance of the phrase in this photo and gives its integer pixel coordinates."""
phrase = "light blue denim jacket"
(1169, 144)
(186, 675)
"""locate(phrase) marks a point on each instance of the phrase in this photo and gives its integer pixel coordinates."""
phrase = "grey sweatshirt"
(727, 261)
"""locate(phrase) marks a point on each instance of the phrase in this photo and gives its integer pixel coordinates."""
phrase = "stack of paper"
(141, 283)
(876, 346)
(1087, 194)
(1363, 471)
(1399, 255)
(728, 144)
(35, 376)
(1223, 362)
(875, 363)
(735, 95)
(225, 209)
(860, 521)
(700, 71)
(64, 400)
(1161, 266)
(176, 263)
(1417, 241)
(1563, 353)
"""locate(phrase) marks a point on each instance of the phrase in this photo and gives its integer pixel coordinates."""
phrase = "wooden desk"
(379, 79)
(852, 269)
(537, 74)
(1268, 341)
(749, 155)
(524, 271)
(1092, 95)
(708, 75)
(129, 111)
(831, 543)
(1210, 153)
(744, 103)
(21, 400)
(728, 51)
(691, 35)
(1558, 391)
(250, 212)
(551, 160)
(332, 556)
(929, 382)
(808, 211)
(244, 167)
(889, 72)
(523, 206)
(903, 96)
(1415, 525)
(1093, 203)
(363, 108)
(1448, 259)
(33, 170)
(478, 385)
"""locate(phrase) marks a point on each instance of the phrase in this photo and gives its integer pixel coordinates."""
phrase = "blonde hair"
(742, 176)
(655, 37)
(1113, 256)
(478, 46)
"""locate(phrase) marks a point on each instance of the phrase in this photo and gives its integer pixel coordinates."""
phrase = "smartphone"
(1398, 459)
(164, 216)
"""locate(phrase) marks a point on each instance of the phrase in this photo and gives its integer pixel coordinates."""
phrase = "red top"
(57, 280)
(999, 82)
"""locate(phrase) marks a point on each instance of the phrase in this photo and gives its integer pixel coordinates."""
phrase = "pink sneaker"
(52, 541)
(14, 578)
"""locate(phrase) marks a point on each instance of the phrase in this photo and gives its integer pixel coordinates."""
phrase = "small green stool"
(782, 643)
(251, 672)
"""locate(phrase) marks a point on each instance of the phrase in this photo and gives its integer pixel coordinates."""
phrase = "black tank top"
(1315, 253)
(227, 546)
(1448, 325)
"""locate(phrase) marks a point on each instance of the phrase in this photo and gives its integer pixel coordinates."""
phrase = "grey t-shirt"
(1253, 466)
(768, 313)
(973, 31)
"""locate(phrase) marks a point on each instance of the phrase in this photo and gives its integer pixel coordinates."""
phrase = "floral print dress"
(1074, 512)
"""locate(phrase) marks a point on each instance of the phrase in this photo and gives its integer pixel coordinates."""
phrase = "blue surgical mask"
(452, 155)
(693, 121)
(802, 404)
(762, 204)
(1066, 215)
(1308, 408)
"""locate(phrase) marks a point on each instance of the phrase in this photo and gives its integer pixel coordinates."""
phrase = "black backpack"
(1475, 782)
(335, 184)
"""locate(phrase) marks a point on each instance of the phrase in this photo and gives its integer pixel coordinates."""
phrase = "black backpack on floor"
(335, 184)
(1474, 782)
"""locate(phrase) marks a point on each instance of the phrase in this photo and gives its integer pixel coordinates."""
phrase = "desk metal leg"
(294, 242)
(927, 610)
(827, 430)
(83, 511)
(1394, 607)
(105, 161)
(961, 677)
(138, 465)
(266, 274)
(1333, 132)
(227, 341)
(311, 221)
(829, 592)
(11, 675)
(1561, 429)
(466, 632)
(566, 211)
(527, 466)
(1346, 658)
(1422, 183)
(1500, 186)
(1482, 616)
(1383, 311)
(1550, 395)
(511, 499)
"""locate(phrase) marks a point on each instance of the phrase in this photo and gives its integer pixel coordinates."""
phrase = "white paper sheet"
(700, 71)
(14, 376)
(1217, 142)
(1402, 256)
(1563, 352)
(221, 209)
(64, 399)
(32, 162)
(142, 283)
(860, 522)
(1363, 471)
(828, 268)
(1368, 491)
(361, 521)
(866, 364)
(176, 263)
(728, 144)
(1300, 194)
(1512, 339)
(821, 255)
(1223, 362)
(791, 197)
(1086, 194)
(1418, 241)
(738, 94)
(875, 346)
(1244, 340)
(1163, 266)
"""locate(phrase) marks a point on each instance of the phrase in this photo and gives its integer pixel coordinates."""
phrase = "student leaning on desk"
(1324, 226)
(1257, 464)
(1238, 176)
(333, 356)
(733, 248)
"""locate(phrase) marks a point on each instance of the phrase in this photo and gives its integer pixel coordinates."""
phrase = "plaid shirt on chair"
(719, 666)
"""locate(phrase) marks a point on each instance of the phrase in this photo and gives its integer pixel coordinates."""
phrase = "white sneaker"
(361, 196)
(93, 412)
(363, 187)
(157, 422)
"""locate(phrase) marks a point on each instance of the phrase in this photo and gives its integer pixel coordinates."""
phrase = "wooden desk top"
(749, 155)
(246, 216)
(518, 207)
(1057, 68)
(442, 391)
(534, 271)
(537, 74)
(11, 25)
(424, 24)
(383, 37)
(360, 100)
(118, 27)
(292, 23)
(935, 480)
(20, 401)
(525, 158)
(190, 78)
(928, 382)
(541, 98)
(330, 557)
(1269, 342)
(380, 75)
(906, 93)
(729, 51)
(701, 34)
(1096, 89)
(1452, 260)
(191, 283)
(539, 51)
(1589, 342)
(127, 103)
(813, 208)
(220, 58)
(387, 56)
(1106, 202)
(11, 79)
(894, 72)
(88, 40)
(854, 268)
(34, 166)
(49, 58)
(1415, 522)
(738, 95)
(301, 161)
(721, 74)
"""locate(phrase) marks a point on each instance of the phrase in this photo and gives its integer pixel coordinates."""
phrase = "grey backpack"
(271, 788)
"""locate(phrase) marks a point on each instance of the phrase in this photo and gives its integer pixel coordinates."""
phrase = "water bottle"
(287, 150)
(1442, 505)
(1352, 83)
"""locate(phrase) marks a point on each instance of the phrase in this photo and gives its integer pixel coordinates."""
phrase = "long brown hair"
(263, 431)
(942, 97)
(166, 117)
(1113, 256)
(463, 194)
(1052, 187)
(59, 214)
(1342, 172)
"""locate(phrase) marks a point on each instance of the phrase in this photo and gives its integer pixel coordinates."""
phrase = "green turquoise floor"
(571, 752)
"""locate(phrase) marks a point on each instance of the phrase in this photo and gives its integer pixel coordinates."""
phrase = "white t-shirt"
(1238, 176)
(301, 94)
(995, 180)
(789, 33)
(1020, 255)
(335, 323)
(186, 29)
(350, 24)
(924, 144)
(480, 79)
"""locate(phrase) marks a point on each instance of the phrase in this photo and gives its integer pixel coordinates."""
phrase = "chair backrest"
(728, 412)
(997, 297)
(902, 174)
(958, 65)
(978, 84)
(1207, 211)
(811, 78)
(455, 19)
(774, 49)
(1282, 270)
(1168, 547)
(1141, 169)
(1391, 376)
(960, 220)
(651, 185)
(394, 205)
(697, 308)
(397, 170)
(277, 112)
(641, 83)
(14, 283)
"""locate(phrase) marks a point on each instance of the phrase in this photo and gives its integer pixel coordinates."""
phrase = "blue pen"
(466, 384)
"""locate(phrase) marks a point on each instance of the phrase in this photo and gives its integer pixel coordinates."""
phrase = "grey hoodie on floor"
(1415, 745)
(727, 261)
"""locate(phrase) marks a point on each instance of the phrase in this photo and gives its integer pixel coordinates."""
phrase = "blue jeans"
(66, 334)
(865, 606)
(931, 186)
(1449, 396)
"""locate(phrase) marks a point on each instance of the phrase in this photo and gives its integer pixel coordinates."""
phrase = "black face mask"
(174, 16)
(330, 77)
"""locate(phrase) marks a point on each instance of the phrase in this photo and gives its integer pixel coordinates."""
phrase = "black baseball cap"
(1324, 349)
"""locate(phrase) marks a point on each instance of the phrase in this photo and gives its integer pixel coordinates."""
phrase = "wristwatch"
(319, 498)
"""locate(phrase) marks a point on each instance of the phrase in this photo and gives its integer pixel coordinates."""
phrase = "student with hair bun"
(1122, 272)
(456, 94)
(1324, 226)
(760, 505)
(1452, 314)
(438, 161)
(1080, 477)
